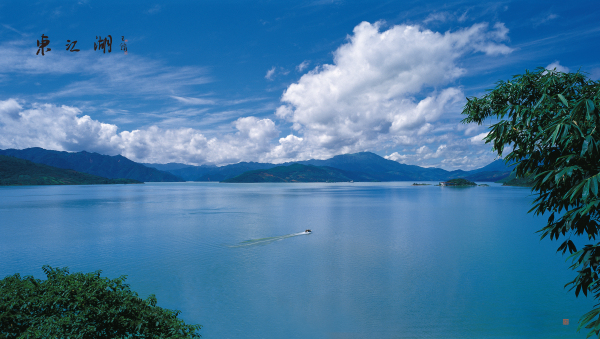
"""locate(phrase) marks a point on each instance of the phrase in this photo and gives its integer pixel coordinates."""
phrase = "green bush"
(549, 120)
(82, 305)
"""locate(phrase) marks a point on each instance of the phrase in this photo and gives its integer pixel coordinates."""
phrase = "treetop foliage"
(550, 121)
(82, 305)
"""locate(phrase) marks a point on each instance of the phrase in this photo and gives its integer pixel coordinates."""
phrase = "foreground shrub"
(82, 305)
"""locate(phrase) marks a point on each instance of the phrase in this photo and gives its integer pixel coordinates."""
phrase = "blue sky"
(226, 81)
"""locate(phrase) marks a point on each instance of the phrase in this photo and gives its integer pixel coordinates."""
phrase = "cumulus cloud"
(66, 128)
(478, 139)
(384, 87)
(396, 157)
(556, 65)
(455, 154)
(10, 108)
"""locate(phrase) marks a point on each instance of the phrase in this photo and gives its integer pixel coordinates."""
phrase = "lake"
(385, 260)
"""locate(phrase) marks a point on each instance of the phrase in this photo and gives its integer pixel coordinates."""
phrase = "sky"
(219, 82)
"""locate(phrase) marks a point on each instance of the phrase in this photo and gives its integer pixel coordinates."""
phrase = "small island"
(512, 180)
(458, 182)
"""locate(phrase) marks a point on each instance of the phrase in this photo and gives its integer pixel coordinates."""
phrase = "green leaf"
(589, 105)
(539, 102)
(584, 147)
(572, 247)
(555, 133)
(564, 101)
(560, 142)
(591, 144)
(587, 317)
(574, 191)
(594, 185)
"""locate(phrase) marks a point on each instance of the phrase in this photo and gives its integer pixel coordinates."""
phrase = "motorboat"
(308, 231)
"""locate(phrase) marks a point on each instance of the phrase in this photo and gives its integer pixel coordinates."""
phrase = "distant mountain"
(167, 167)
(512, 180)
(389, 170)
(18, 172)
(363, 166)
(495, 171)
(358, 165)
(497, 166)
(293, 173)
(93, 163)
(492, 176)
(214, 173)
(380, 168)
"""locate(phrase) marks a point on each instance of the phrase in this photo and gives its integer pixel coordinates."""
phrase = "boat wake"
(265, 241)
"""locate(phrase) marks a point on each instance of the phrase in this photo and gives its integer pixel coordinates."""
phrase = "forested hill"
(363, 164)
(388, 170)
(17, 172)
(296, 173)
(112, 167)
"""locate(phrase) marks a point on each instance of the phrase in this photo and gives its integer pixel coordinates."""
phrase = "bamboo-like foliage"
(82, 305)
(551, 121)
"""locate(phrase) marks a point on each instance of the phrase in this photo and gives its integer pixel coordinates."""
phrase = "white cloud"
(153, 9)
(396, 157)
(384, 88)
(14, 30)
(119, 74)
(270, 73)
(274, 71)
(64, 128)
(302, 66)
(193, 101)
(539, 20)
(440, 16)
(446, 16)
(556, 65)
(478, 139)
(10, 108)
(456, 154)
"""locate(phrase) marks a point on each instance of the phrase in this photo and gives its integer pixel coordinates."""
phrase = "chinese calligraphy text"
(43, 44)
(102, 44)
(73, 46)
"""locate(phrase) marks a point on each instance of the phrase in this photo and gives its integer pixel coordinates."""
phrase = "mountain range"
(363, 166)
(298, 173)
(15, 171)
(112, 167)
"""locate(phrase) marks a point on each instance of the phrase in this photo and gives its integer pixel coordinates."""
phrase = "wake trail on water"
(264, 241)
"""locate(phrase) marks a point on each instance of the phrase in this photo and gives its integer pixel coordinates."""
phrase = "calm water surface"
(385, 260)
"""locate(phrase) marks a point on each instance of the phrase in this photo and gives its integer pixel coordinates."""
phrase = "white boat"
(308, 231)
